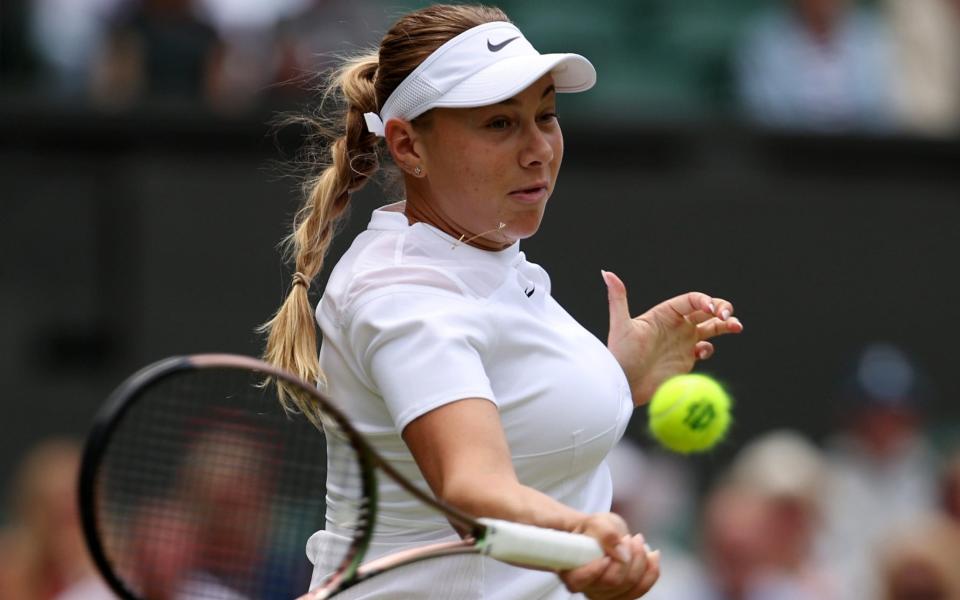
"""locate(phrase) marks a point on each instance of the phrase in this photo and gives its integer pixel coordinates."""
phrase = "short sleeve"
(421, 349)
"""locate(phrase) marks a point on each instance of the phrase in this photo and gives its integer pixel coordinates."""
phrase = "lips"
(532, 193)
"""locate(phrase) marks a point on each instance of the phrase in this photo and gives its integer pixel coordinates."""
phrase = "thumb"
(609, 531)
(617, 299)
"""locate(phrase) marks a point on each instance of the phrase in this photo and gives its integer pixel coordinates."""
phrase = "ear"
(404, 144)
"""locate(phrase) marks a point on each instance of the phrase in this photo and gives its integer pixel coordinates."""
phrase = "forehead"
(536, 91)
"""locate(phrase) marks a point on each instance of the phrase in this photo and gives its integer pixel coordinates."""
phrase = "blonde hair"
(362, 84)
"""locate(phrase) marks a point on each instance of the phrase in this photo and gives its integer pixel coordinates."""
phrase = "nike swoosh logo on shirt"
(500, 46)
(530, 291)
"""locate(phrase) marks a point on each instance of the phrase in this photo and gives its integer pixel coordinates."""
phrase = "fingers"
(649, 577)
(715, 327)
(698, 307)
(712, 328)
(712, 316)
(699, 317)
(585, 577)
(617, 299)
(608, 529)
(724, 309)
(687, 305)
(636, 569)
(608, 578)
(703, 350)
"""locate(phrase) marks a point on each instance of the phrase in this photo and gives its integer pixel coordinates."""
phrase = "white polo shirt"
(411, 320)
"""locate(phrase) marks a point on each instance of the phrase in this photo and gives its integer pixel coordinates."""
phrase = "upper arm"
(458, 446)
(463, 454)
(419, 350)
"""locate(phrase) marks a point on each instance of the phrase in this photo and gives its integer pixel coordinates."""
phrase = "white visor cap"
(481, 66)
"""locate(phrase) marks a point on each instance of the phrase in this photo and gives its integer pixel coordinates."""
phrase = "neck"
(419, 210)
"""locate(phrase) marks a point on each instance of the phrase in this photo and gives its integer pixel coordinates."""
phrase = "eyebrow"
(546, 92)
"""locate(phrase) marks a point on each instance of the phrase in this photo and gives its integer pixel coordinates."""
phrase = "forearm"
(464, 457)
(503, 497)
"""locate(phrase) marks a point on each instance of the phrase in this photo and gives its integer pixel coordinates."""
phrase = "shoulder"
(380, 267)
(376, 282)
(412, 265)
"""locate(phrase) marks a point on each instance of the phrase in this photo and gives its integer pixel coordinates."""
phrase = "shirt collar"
(392, 218)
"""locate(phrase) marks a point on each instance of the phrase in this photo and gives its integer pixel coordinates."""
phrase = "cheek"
(459, 161)
(466, 177)
(557, 158)
(463, 179)
(478, 168)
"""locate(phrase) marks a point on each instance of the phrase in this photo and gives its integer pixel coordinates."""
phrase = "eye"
(549, 117)
(499, 123)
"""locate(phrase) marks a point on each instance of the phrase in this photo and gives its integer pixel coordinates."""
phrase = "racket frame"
(351, 570)
(105, 423)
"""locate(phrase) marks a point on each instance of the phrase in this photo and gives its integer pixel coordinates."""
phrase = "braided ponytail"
(354, 158)
(361, 85)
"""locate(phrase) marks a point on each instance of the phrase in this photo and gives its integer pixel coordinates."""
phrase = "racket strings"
(209, 489)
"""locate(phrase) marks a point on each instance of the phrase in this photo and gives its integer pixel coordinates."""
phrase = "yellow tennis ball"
(689, 413)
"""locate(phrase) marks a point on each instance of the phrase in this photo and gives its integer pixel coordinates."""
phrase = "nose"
(537, 149)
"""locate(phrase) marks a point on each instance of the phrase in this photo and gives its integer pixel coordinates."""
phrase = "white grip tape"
(537, 546)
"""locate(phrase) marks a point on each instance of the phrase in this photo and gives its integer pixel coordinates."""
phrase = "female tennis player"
(441, 341)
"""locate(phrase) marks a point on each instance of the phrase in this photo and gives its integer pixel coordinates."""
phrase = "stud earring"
(417, 171)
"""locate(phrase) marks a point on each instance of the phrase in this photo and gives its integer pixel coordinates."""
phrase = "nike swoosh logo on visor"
(499, 47)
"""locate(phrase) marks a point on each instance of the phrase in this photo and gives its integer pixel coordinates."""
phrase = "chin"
(522, 231)
(521, 225)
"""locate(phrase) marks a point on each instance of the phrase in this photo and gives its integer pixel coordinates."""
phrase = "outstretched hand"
(666, 340)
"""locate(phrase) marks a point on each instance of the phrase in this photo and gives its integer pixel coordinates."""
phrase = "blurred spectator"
(158, 546)
(921, 562)
(927, 38)
(226, 482)
(228, 54)
(820, 65)
(160, 49)
(248, 30)
(42, 552)
(734, 542)
(309, 40)
(788, 472)
(882, 469)
(69, 36)
(758, 528)
(248, 15)
(732, 549)
(206, 532)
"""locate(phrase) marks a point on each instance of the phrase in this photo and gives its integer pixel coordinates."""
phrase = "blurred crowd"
(213, 525)
(42, 552)
(229, 55)
(831, 66)
(872, 513)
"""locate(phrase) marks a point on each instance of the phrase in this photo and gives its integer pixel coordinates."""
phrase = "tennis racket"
(195, 483)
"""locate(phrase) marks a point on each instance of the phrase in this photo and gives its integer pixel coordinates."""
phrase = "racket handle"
(537, 546)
